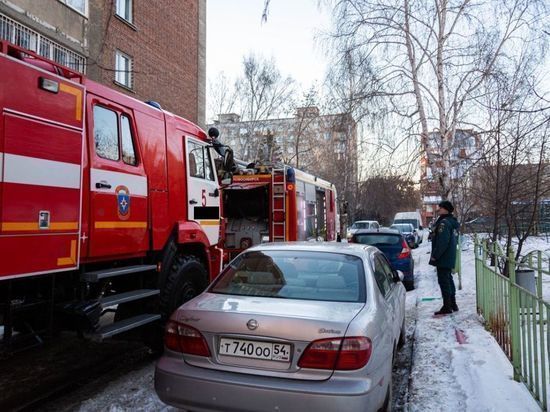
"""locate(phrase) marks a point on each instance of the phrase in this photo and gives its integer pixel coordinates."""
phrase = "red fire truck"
(277, 203)
(106, 204)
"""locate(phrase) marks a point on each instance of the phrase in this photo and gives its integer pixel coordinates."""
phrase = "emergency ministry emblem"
(123, 202)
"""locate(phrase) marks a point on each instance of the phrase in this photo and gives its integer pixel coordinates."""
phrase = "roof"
(381, 231)
(332, 247)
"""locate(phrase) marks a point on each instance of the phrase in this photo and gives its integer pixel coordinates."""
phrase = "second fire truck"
(277, 203)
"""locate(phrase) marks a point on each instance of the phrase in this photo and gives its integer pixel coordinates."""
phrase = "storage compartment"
(246, 210)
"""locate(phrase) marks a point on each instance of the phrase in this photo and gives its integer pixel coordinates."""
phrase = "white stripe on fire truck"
(1, 168)
(137, 185)
(40, 172)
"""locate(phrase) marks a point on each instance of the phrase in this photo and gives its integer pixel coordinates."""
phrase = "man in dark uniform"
(444, 242)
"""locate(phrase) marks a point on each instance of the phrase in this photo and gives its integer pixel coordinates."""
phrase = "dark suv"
(393, 245)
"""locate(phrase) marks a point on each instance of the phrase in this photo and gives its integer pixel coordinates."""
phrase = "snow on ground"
(132, 392)
(446, 375)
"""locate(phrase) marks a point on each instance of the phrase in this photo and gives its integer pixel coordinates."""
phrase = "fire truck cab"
(106, 204)
(277, 203)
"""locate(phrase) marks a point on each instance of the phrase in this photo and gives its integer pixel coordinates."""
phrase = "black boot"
(445, 309)
(454, 307)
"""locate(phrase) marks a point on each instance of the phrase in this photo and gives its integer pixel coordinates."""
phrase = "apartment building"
(461, 158)
(324, 145)
(147, 49)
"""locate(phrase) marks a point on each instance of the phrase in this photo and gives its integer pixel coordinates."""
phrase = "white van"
(413, 218)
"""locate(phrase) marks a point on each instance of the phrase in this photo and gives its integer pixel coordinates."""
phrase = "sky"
(235, 28)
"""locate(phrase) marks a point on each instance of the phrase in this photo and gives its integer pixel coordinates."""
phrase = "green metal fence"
(517, 317)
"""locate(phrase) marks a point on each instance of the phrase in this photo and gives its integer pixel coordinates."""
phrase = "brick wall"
(163, 40)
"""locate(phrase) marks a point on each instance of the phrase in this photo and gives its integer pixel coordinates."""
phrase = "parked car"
(288, 327)
(414, 218)
(409, 233)
(362, 224)
(395, 248)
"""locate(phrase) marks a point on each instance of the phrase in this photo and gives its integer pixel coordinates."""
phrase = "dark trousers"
(446, 282)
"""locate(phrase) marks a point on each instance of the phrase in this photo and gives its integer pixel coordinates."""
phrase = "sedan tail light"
(337, 353)
(185, 339)
(405, 252)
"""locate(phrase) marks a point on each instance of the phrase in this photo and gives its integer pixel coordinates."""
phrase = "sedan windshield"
(360, 225)
(294, 275)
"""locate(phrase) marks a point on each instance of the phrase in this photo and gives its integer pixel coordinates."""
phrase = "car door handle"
(102, 185)
(215, 193)
(193, 202)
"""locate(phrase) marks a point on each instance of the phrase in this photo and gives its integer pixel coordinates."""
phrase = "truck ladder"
(278, 205)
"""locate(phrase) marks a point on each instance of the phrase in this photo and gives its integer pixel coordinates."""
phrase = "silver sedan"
(288, 327)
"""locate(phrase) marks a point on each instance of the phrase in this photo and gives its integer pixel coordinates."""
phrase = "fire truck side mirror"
(226, 179)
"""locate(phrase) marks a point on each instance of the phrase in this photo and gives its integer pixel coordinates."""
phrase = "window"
(25, 37)
(375, 239)
(380, 275)
(124, 9)
(109, 137)
(387, 270)
(123, 69)
(79, 5)
(199, 162)
(60, 56)
(128, 152)
(106, 133)
(306, 275)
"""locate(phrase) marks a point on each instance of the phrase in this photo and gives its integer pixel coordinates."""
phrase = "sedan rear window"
(377, 239)
(294, 275)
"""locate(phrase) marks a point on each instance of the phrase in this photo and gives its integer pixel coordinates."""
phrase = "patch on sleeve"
(441, 228)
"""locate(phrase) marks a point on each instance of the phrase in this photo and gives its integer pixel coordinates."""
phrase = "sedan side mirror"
(398, 276)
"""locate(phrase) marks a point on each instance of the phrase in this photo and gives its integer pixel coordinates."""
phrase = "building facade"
(148, 50)
(461, 158)
(323, 145)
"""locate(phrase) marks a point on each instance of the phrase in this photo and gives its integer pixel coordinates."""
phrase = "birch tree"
(431, 58)
(513, 175)
(222, 96)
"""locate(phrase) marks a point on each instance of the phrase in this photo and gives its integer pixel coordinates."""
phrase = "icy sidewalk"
(448, 375)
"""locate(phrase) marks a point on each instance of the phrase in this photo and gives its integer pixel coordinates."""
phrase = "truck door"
(118, 184)
(202, 190)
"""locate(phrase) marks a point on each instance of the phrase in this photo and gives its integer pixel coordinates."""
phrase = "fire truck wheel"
(186, 279)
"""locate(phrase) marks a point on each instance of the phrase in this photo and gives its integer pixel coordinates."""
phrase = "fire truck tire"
(186, 279)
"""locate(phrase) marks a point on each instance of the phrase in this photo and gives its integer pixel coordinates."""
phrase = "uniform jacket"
(444, 241)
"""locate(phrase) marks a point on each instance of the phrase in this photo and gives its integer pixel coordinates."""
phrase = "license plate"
(255, 349)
